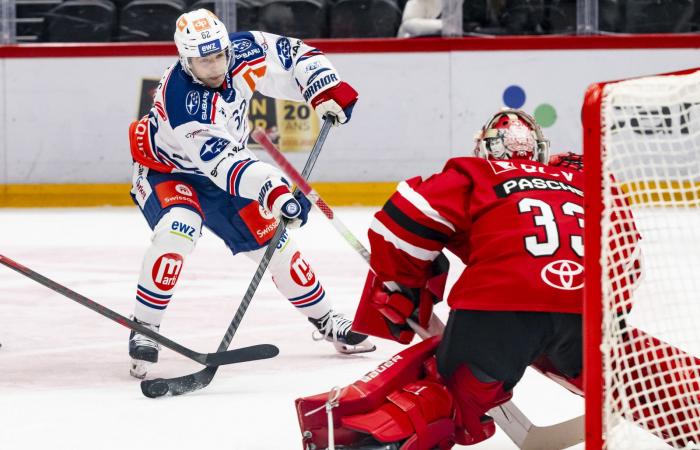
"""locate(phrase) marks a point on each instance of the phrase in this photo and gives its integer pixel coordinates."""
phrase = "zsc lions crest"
(284, 52)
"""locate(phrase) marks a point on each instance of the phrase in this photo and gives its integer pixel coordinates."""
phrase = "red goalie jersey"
(517, 225)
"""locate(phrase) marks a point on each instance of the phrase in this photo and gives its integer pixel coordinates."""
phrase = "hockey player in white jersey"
(192, 168)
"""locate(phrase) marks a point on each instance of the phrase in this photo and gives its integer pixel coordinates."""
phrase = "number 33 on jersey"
(521, 221)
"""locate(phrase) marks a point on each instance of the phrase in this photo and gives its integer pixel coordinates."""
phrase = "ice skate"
(143, 351)
(335, 328)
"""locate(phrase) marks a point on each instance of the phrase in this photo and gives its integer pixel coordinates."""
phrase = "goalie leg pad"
(367, 394)
(474, 398)
(419, 415)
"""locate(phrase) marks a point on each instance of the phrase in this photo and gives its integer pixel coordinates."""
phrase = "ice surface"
(64, 377)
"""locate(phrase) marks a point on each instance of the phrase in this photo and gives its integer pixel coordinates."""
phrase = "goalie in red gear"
(517, 225)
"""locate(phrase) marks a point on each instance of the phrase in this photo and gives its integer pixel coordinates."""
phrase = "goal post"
(642, 262)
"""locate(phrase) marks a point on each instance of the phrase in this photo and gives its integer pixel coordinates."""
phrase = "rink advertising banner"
(292, 126)
(415, 108)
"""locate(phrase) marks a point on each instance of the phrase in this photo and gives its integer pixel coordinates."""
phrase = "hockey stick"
(508, 416)
(435, 326)
(198, 380)
(254, 352)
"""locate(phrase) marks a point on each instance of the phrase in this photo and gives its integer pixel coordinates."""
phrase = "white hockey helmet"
(200, 33)
(512, 134)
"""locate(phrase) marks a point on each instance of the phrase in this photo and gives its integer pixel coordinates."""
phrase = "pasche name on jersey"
(524, 184)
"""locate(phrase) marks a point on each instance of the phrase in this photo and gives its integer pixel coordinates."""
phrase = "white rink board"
(66, 118)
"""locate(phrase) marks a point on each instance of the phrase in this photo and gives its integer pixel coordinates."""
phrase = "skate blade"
(139, 369)
(354, 349)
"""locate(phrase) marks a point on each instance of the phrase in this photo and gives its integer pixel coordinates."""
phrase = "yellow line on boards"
(653, 193)
(76, 195)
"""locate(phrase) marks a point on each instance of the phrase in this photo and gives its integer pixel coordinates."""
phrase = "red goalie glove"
(384, 314)
(573, 161)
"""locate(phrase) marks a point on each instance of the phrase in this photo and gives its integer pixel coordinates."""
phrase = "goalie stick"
(188, 383)
(251, 353)
(508, 416)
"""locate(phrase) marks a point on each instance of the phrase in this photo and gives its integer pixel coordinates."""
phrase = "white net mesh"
(651, 166)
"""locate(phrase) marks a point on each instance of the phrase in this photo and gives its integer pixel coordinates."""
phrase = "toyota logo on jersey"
(563, 274)
(165, 271)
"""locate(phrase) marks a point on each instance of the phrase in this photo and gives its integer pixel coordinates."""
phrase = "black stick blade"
(243, 354)
(160, 387)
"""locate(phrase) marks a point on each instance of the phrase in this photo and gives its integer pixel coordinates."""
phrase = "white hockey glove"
(336, 102)
(276, 197)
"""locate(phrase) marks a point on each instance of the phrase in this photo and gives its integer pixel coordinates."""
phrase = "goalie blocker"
(383, 314)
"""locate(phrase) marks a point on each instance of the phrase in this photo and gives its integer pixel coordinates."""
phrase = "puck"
(154, 388)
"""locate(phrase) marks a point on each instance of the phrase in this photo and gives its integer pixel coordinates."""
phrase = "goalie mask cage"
(642, 333)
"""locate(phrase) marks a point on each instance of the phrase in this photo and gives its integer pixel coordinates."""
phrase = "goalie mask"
(512, 134)
(200, 34)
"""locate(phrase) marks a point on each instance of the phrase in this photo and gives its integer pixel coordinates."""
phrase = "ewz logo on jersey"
(213, 147)
(183, 228)
(318, 85)
(166, 270)
(284, 52)
(209, 47)
(192, 102)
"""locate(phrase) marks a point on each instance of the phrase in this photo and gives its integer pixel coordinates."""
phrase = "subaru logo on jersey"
(563, 274)
(241, 45)
(210, 47)
(213, 147)
(192, 102)
(284, 53)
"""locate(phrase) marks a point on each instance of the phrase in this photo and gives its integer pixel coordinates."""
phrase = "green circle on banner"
(545, 115)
